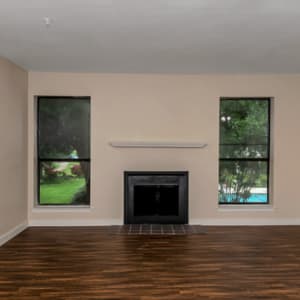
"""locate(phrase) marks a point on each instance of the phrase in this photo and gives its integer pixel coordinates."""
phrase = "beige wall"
(171, 108)
(13, 154)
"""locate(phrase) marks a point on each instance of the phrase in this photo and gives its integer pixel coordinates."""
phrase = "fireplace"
(156, 197)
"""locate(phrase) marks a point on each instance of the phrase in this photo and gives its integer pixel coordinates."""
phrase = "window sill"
(62, 208)
(245, 207)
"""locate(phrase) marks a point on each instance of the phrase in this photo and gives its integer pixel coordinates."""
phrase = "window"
(244, 151)
(63, 150)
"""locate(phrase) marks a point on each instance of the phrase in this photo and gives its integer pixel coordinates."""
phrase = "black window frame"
(266, 160)
(40, 160)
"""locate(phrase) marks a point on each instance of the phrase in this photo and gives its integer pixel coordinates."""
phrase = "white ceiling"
(162, 36)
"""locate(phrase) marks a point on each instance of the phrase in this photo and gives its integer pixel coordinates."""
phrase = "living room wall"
(154, 107)
(13, 155)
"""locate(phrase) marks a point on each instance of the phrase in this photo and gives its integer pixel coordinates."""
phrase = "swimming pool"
(254, 198)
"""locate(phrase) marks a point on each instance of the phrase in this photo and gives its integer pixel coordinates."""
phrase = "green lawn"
(60, 192)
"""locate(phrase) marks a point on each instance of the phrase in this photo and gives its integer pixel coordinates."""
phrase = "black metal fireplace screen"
(156, 197)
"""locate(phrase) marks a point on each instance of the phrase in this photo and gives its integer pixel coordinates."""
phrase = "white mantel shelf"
(155, 144)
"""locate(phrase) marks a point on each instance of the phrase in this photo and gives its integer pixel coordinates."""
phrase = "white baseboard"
(246, 222)
(12, 233)
(75, 222)
(204, 221)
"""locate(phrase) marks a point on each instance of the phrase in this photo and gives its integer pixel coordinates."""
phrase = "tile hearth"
(160, 229)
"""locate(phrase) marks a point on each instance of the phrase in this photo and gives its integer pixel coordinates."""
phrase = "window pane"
(243, 182)
(64, 182)
(244, 128)
(244, 151)
(64, 128)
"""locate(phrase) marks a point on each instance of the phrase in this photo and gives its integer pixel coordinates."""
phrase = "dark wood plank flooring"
(92, 263)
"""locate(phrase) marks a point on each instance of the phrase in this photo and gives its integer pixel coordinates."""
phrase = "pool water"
(254, 198)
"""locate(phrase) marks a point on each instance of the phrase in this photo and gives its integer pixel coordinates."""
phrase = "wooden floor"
(91, 263)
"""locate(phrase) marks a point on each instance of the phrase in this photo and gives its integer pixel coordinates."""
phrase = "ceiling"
(160, 36)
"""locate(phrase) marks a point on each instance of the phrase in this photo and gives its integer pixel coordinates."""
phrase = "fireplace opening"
(152, 200)
(156, 197)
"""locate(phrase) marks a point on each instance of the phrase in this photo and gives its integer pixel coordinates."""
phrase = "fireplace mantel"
(156, 144)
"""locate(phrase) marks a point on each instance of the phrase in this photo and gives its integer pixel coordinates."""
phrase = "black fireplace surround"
(155, 197)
